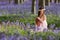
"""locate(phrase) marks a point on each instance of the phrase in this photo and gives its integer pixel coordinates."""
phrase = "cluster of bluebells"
(12, 8)
(21, 24)
(53, 8)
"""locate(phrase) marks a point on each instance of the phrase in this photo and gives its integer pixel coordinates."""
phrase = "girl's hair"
(39, 12)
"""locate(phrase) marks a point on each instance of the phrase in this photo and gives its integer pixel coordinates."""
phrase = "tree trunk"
(54, 1)
(16, 1)
(46, 3)
(32, 10)
(35, 7)
(40, 3)
(58, 1)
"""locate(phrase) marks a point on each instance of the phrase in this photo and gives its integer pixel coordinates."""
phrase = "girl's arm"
(39, 19)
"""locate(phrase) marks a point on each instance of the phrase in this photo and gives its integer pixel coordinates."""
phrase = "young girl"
(41, 22)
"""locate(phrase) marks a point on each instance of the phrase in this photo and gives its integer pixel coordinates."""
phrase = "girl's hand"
(39, 19)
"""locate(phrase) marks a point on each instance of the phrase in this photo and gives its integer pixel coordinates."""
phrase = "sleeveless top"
(42, 26)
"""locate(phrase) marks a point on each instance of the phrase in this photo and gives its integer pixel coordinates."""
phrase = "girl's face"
(42, 12)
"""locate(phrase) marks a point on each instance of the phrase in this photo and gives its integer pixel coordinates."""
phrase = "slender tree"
(20, 1)
(52, 1)
(32, 10)
(16, 1)
(40, 3)
(55, 1)
(46, 3)
(59, 1)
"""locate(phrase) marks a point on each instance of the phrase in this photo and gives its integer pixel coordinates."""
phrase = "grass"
(53, 19)
(11, 29)
(30, 18)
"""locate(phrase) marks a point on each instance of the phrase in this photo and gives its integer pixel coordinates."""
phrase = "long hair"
(39, 13)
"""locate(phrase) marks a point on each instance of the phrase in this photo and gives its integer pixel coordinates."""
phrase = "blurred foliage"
(30, 18)
(53, 19)
(13, 30)
(45, 35)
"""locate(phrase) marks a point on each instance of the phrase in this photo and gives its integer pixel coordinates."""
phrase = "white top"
(42, 26)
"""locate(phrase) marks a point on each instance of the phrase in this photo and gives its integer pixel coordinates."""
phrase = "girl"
(41, 22)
